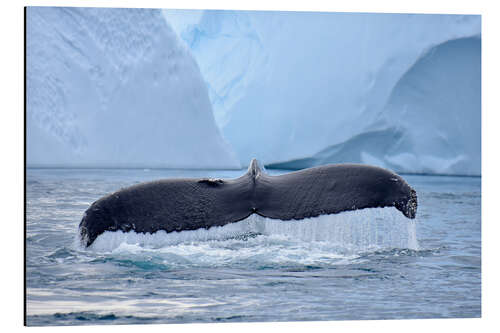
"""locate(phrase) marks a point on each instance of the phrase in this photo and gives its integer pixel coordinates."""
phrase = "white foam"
(353, 231)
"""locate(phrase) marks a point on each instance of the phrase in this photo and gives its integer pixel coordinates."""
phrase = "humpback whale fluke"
(189, 204)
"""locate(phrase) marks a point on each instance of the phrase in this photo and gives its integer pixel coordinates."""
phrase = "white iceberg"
(116, 88)
(296, 89)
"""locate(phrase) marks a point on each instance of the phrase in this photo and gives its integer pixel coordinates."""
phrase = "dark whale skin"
(189, 204)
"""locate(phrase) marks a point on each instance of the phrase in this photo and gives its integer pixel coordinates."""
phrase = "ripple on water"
(368, 261)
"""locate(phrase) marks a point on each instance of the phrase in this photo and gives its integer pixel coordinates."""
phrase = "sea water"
(366, 264)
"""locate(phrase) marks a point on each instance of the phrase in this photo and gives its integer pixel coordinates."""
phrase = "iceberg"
(116, 88)
(298, 89)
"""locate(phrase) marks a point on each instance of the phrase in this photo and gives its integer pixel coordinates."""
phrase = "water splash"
(354, 231)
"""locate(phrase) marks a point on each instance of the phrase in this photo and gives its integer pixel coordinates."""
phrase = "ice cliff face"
(302, 89)
(115, 87)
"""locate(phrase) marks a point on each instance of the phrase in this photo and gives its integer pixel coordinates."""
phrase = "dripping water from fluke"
(369, 229)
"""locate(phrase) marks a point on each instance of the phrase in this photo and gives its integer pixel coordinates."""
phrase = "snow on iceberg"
(113, 88)
(297, 89)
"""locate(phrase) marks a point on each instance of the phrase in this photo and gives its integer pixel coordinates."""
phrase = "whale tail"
(190, 204)
(409, 205)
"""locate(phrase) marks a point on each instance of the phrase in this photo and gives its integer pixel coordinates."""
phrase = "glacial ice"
(297, 89)
(293, 89)
(114, 88)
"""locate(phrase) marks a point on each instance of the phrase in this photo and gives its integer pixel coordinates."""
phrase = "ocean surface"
(367, 264)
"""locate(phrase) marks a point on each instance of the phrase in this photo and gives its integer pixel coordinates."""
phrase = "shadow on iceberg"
(431, 122)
